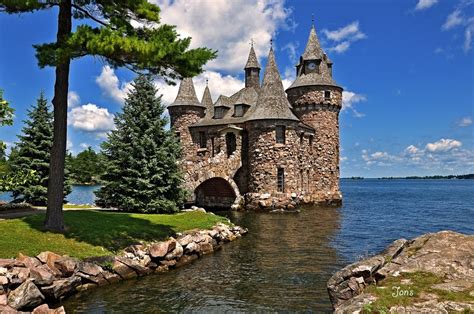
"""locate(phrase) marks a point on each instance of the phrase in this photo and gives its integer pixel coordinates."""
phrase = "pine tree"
(33, 154)
(125, 33)
(142, 173)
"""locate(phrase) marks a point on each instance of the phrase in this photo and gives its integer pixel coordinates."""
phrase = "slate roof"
(313, 51)
(186, 94)
(252, 61)
(272, 102)
(207, 99)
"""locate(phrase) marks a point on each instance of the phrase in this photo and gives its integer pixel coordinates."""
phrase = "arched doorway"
(215, 193)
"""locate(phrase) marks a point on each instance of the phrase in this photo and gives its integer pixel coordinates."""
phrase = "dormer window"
(327, 95)
(238, 110)
(219, 112)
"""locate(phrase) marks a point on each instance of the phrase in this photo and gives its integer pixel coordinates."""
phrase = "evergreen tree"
(110, 32)
(141, 172)
(33, 154)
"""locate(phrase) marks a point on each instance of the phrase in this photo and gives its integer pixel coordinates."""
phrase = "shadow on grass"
(113, 231)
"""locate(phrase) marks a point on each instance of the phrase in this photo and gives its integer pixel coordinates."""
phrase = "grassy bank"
(94, 233)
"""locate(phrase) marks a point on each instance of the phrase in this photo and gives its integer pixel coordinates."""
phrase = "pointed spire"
(252, 61)
(313, 47)
(207, 98)
(186, 94)
(272, 102)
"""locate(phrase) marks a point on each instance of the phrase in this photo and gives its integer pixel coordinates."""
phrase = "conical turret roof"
(186, 94)
(252, 61)
(313, 49)
(272, 102)
(207, 98)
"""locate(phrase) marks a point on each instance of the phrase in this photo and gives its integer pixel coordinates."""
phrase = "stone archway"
(216, 193)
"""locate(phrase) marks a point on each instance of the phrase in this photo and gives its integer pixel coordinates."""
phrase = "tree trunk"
(54, 214)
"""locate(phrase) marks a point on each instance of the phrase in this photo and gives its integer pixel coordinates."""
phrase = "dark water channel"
(285, 260)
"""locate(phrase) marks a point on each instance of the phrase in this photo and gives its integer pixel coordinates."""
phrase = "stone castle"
(262, 148)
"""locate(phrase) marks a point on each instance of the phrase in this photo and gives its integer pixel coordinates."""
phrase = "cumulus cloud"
(425, 4)
(73, 99)
(110, 85)
(343, 37)
(466, 121)
(443, 145)
(227, 26)
(349, 99)
(412, 150)
(91, 118)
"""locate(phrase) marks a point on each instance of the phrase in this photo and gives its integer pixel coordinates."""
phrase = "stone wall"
(28, 282)
(314, 109)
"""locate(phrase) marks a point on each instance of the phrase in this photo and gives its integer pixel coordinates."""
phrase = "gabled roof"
(272, 102)
(252, 61)
(186, 94)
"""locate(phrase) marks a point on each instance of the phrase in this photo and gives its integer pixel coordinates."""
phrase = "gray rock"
(186, 259)
(66, 266)
(159, 250)
(26, 296)
(42, 275)
(62, 287)
(176, 253)
(123, 270)
(44, 309)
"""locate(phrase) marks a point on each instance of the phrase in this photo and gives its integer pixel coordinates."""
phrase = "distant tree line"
(462, 176)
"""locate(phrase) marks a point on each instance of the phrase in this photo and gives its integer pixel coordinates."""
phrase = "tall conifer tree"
(141, 173)
(33, 154)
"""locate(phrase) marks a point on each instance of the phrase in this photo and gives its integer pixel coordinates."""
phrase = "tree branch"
(78, 8)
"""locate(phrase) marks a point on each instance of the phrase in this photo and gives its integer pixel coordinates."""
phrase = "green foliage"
(6, 118)
(148, 47)
(141, 170)
(93, 233)
(86, 167)
(32, 155)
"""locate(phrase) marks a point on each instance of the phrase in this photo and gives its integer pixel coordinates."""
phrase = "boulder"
(66, 266)
(4, 280)
(44, 309)
(9, 263)
(42, 275)
(123, 270)
(90, 269)
(3, 300)
(29, 262)
(159, 250)
(205, 248)
(192, 247)
(61, 287)
(18, 275)
(110, 277)
(3, 271)
(44, 257)
(176, 253)
(168, 264)
(185, 240)
(5, 309)
(26, 296)
(135, 265)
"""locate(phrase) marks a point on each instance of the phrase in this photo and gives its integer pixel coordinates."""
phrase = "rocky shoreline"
(31, 283)
(433, 273)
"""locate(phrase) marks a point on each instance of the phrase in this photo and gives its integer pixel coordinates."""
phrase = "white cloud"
(443, 145)
(349, 99)
(84, 145)
(412, 150)
(468, 33)
(73, 99)
(344, 36)
(454, 19)
(110, 85)
(91, 118)
(227, 26)
(69, 144)
(425, 4)
(342, 159)
(466, 121)
(292, 49)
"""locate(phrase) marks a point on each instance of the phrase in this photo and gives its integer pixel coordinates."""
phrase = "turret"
(317, 99)
(207, 100)
(252, 70)
(185, 111)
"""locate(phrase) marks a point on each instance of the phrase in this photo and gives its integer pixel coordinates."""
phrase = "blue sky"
(406, 67)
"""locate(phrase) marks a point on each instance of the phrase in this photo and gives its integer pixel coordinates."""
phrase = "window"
(327, 95)
(202, 139)
(280, 134)
(281, 179)
(238, 110)
(231, 143)
(212, 147)
(219, 112)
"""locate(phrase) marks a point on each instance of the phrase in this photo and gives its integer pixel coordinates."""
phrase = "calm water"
(81, 194)
(286, 259)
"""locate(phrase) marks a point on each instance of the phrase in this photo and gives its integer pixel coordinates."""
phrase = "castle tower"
(207, 100)
(317, 100)
(252, 70)
(185, 111)
(272, 130)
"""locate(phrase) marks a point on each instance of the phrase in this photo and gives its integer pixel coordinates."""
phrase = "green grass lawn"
(93, 233)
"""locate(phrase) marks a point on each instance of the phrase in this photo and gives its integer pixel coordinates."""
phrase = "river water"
(285, 260)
